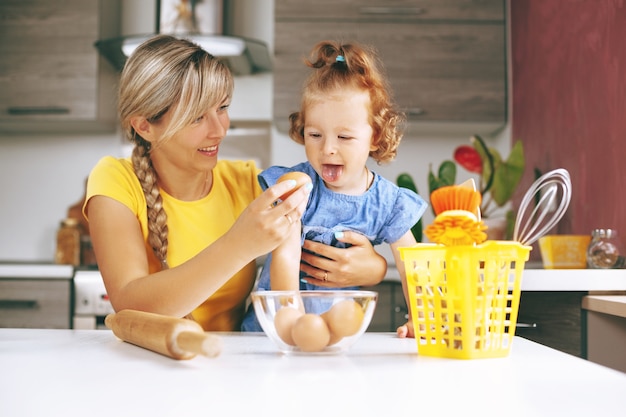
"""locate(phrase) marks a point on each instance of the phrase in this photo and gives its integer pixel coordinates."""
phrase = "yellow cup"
(564, 251)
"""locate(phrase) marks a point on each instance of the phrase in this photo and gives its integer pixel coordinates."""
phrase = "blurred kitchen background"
(551, 74)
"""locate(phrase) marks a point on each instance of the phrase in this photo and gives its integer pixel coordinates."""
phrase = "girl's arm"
(407, 240)
(285, 265)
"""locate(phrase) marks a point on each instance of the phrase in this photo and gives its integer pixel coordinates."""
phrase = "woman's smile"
(209, 150)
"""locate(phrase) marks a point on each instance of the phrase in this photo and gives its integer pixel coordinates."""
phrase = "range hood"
(244, 56)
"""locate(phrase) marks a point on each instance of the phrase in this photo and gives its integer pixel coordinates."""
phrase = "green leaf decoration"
(406, 181)
(446, 175)
(488, 163)
(510, 224)
(507, 174)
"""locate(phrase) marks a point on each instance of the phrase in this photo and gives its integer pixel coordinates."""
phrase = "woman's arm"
(123, 262)
(358, 265)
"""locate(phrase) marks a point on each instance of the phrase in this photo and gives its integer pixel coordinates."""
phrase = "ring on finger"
(325, 276)
(289, 219)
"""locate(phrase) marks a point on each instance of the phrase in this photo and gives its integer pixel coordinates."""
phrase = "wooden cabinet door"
(554, 319)
(440, 71)
(50, 68)
(35, 303)
(396, 9)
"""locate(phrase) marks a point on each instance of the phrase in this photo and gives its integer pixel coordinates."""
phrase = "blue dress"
(384, 213)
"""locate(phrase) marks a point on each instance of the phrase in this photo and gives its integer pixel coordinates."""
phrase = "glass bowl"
(314, 322)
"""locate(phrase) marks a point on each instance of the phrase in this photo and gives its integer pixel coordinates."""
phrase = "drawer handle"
(18, 304)
(415, 111)
(392, 10)
(26, 111)
(526, 325)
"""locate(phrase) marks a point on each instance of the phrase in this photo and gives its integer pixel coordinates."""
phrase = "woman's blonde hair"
(338, 66)
(166, 74)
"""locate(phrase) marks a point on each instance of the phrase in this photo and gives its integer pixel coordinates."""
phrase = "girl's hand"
(406, 330)
(358, 265)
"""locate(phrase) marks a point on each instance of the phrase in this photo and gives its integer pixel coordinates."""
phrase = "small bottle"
(68, 242)
(605, 250)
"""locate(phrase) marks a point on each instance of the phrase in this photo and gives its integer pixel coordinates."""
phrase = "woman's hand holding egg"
(301, 179)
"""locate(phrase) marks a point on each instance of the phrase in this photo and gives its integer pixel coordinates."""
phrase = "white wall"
(41, 176)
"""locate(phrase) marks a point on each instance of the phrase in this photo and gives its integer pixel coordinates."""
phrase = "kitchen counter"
(614, 305)
(91, 372)
(33, 270)
(539, 279)
(574, 280)
(534, 278)
(606, 324)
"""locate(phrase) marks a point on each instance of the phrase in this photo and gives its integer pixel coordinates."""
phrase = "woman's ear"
(143, 127)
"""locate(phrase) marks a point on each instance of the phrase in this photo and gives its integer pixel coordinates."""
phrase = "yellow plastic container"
(564, 251)
(464, 299)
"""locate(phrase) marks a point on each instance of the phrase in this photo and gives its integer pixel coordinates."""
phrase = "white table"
(92, 373)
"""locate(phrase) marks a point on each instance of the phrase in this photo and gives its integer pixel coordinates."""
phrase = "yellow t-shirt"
(192, 226)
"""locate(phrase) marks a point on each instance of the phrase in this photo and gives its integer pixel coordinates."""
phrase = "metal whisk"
(550, 194)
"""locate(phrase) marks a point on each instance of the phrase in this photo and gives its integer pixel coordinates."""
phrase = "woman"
(176, 231)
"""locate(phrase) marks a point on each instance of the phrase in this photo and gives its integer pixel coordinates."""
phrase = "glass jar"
(605, 250)
(68, 242)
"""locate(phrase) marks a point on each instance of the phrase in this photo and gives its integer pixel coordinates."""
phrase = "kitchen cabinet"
(391, 309)
(34, 295)
(445, 59)
(554, 319)
(52, 78)
(35, 303)
(606, 329)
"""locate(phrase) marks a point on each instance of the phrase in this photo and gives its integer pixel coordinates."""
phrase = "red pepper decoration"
(468, 158)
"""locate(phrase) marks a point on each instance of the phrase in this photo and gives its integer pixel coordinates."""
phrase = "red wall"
(569, 102)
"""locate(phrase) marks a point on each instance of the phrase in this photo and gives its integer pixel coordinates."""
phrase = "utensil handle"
(161, 333)
(199, 343)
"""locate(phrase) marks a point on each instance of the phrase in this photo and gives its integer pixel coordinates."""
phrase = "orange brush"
(455, 197)
(457, 208)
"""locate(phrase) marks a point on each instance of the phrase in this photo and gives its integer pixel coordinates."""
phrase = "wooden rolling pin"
(169, 336)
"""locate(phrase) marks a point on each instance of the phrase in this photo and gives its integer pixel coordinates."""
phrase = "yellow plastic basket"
(464, 299)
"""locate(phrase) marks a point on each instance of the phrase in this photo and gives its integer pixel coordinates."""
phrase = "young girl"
(346, 116)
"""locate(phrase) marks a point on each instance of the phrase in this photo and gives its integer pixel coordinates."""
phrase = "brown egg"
(284, 321)
(334, 338)
(344, 318)
(310, 333)
(300, 177)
